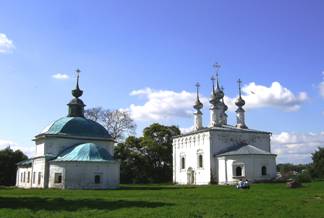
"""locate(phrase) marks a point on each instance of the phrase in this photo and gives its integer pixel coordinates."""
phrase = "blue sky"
(146, 56)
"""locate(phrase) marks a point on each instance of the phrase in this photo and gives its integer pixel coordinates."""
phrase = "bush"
(303, 177)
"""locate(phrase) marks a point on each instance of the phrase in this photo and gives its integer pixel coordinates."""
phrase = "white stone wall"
(221, 140)
(39, 168)
(190, 147)
(40, 143)
(211, 143)
(54, 146)
(22, 180)
(37, 173)
(80, 175)
(251, 169)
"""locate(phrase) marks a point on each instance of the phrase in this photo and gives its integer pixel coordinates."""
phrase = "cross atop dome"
(76, 105)
(239, 81)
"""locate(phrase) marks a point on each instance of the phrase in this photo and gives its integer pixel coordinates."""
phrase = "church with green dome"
(71, 153)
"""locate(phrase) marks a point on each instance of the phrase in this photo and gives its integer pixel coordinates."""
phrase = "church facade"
(71, 153)
(222, 153)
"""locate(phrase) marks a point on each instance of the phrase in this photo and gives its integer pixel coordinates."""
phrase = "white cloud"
(167, 104)
(27, 150)
(295, 147)
(60, 76)
(6, 45)
(162, 104)
(321, 86)
(277, 96)
(186, 130)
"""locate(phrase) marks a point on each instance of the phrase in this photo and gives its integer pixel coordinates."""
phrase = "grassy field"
(262, 200)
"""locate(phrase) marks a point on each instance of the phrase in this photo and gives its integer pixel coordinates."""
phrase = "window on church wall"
(238, 171)
(183, 163)
(200, 161)
(263, 171)
(24, 177)
(39, 178)
(21, 177)
(58, 178)
(28, 177)
(97, 179)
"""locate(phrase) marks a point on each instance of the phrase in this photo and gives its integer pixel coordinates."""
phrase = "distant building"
(222, 153)
(71, 153)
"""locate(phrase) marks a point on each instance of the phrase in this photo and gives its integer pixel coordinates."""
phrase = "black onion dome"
(198, 105)
(219, 93)
(240, 102)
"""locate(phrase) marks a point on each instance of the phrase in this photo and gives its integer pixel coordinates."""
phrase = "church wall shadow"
(54, 204)
(154, 187)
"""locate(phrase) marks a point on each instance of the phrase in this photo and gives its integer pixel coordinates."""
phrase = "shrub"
(303, 177)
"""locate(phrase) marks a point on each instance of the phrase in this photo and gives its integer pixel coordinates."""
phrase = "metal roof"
(85, 152)
(245, 150)
(77, 126)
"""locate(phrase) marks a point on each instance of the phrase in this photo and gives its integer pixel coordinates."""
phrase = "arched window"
(200, 161)
(263, 171)
(183, 163)
(238, 171)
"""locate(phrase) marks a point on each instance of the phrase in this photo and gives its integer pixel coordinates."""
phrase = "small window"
(21, 177)
(34, 177)
(28, 177)
(39, 177)
(183, 163)
(24, 176)
(58, 178)
(264, 171)
(238, 171)
(200, 161)
(97, 179)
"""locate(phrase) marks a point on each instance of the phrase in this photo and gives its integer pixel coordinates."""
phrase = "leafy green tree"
(317, 168)
(148, 158)
(134, 164)
(157, 139)
(8, 167)
(288, 169)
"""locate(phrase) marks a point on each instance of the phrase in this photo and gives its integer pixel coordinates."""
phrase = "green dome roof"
(85, 152)
(77, 126)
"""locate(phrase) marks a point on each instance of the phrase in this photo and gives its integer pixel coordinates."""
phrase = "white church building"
(71, 153)
(222, 153)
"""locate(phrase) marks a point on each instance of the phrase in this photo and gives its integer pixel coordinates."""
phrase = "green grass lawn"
(262, 200)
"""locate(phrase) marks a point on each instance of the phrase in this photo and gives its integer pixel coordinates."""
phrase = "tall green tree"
(118, 123)
(8, 167)
(317, 168)
(148, 158)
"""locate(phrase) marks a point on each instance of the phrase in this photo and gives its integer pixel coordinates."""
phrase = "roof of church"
(28, 162)
(222, 128)
(76, 126)
(244, 150)
(85, 152)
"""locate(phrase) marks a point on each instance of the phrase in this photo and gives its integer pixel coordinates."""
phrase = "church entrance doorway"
(190, 176)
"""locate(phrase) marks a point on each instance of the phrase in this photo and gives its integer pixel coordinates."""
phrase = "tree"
(118, 123)
(8, 167)
(148, 158)
(157, 139)
(317, 167)
(134, 163)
